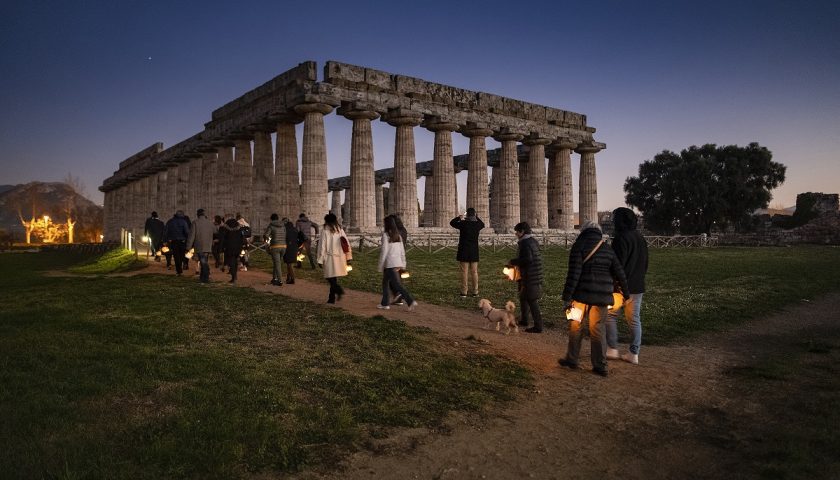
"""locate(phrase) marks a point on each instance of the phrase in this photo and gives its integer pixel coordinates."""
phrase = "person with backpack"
(306, 230)
(593, 270)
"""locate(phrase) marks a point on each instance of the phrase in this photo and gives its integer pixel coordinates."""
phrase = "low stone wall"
(824, 230)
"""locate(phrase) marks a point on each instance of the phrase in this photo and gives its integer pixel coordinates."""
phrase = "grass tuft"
(114, 261)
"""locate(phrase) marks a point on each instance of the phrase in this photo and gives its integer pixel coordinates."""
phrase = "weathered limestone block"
(286, 178)
(224, 181)
(588, 185)
(243, 172)
(445, 195)
(313, 193)
(559, 184)
(263, 183)
(477, 194)
(508, 180)
(361, 169)
(536, 196)
(404, 185)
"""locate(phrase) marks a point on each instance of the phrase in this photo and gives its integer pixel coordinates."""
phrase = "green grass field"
(158, 377)
(689, 291)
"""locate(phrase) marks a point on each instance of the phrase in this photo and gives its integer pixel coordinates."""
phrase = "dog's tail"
(510, 306)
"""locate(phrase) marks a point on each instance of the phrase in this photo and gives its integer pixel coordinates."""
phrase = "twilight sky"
(86, 84)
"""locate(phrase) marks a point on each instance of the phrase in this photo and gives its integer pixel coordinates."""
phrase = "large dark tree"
(690, 191)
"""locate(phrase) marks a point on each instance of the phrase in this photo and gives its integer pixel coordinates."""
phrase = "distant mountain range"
(58, 200)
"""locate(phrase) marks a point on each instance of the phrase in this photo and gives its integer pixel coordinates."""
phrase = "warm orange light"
(349, 268)
(300, 257)
(404, 274)
(165, 249)
(618, 301)
(574, 314)
(512, 273)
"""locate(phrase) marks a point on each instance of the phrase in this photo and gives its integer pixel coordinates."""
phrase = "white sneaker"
(412, 306)
(612, 354)
(383, 307)
(631, 358)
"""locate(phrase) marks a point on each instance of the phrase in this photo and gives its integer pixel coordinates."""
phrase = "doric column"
(494, 197)
(561, 212)
(194, 187)
(379, 194)
(536, 195)
(286, 177)
(508, 181)
(171, 188)
(313, 192)
(182, 190)
(335, 207)
(262, 195)
(403, 194)
(443, 168)
(362, 184)
(523, 188)
(428, 201)
(143, 209)
(107, 220)
(224, 180)
(588, 186)
(348, 206)
(243, 177)
(160, 198)
(477, 195)
(208, 185)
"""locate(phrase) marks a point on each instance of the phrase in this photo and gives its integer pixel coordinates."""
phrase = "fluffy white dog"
(501, 317)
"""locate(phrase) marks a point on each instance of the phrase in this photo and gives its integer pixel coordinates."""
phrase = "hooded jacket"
(631, 249)
(276, 231)
(592, 282)
(177, 228)
(529, 261)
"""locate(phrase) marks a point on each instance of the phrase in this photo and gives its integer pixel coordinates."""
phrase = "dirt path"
(646, 421)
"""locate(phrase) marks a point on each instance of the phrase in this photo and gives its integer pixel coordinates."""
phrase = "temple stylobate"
(232, 167)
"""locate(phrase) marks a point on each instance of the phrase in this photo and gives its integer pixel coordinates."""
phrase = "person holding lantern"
(233, 242)
(201, 239)
(176, 232)
(468, 226)
(593, 270)
(631, 250)
(529, 264)
(391, 261)
(153, 229)
(276, 235)
(333, 255)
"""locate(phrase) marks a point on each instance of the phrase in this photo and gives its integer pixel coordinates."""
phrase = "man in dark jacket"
(593, 270)
(290, 256)
(176, 233)
(201, 239)
(468, 228)
(232, 244)
(154, 230)
(276, 235)
(529, 263)
(631, 250)
(307, 230)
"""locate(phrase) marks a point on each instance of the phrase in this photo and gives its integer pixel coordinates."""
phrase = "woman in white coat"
(331, 255)
(391, 260)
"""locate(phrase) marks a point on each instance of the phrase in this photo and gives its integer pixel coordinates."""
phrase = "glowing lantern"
(189, 254)
(404, 274)
(618, 301)
(165, 249)
(512, 273)
(349, 268)
(574, 314)
(146, 239)
(300, 257)
(242, 253)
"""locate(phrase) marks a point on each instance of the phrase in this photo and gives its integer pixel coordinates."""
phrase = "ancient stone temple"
(231, 166)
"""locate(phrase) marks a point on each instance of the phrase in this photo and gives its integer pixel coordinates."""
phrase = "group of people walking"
(598, 272)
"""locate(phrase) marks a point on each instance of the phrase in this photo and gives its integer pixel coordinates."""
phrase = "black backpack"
(245, 231)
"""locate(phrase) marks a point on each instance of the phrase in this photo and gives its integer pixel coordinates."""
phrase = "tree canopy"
(690, 191)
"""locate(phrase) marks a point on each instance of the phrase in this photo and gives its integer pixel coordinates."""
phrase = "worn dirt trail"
(647, 421)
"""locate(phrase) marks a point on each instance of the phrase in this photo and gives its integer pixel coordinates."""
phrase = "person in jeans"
(232, 244)
(468, 226)
(307, 230)
(331, 256)
(529, 263)
(631, 250)
(276, 233)
(593, 269)
(201, 239)
(391, 261)
(290, 257)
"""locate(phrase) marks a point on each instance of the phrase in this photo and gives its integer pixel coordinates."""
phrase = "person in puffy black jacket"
(529, 263)
(233, 242)
(631, 250)
(176, 232)
(290, 256)
(589, 287)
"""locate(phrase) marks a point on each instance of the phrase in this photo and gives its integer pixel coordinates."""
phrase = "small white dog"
(505, 316)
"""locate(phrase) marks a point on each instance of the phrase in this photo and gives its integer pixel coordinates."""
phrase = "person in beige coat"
(332, 257)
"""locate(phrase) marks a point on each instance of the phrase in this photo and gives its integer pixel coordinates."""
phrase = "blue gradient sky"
(79, 94)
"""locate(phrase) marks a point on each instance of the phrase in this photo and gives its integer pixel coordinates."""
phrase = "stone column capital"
(506, 134)
(352, 114)
(284, 117)
(588, 148)
(472, 131)
(563, 143)
(402, 116)
(322, 108)
(441, 126)
(532, 140)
